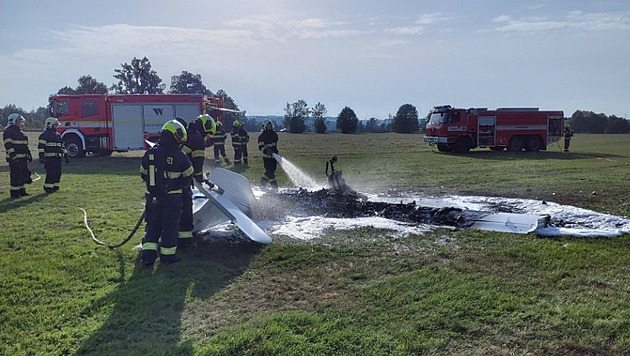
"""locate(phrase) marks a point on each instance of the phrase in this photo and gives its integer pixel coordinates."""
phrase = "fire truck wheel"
(516, 144)
(462, 145)
(534, 144)
(74, 146)
(442, 147)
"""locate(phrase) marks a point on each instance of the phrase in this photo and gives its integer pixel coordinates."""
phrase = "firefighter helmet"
(177, 129)
(207, 123)
(236, 123)
(51, 122)
(181, 121)
(266, 123)
(14, 118)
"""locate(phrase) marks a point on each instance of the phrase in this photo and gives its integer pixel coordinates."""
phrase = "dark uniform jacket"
(240, 137)
(219, 137)
(268, 142)
(176, 168)
(194, 148)
(50, 145)
(16, 144)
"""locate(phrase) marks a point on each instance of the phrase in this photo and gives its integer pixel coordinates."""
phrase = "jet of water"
(297, 176)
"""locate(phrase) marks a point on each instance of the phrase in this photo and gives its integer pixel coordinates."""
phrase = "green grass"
(359, 292)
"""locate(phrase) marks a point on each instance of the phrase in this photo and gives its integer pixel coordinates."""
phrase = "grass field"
(359, 292)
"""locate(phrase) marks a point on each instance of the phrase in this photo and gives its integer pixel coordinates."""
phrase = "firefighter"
(568, 133)
(240, 138)
(166, 170)
(218, 141)
(198, 131)
(51, 150)
(268, 144)
(18, 155)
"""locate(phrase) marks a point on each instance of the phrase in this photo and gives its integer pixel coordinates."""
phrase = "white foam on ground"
(577, 222)
(310, 227)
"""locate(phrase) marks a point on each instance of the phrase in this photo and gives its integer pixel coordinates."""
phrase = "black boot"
(23, 192)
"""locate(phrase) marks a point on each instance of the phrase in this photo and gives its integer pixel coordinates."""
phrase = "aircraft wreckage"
(233, 201)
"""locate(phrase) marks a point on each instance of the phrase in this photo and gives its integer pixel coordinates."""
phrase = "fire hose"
(135, 228)
(113, 246)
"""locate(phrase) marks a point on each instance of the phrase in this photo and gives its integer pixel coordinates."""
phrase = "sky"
(371, 56)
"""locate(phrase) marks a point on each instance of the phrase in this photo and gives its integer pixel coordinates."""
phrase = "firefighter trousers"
(240, 152)
(162, 223)
(219, 150)
(186, 221)
(53, 174)
(18, 176)
(270, 165)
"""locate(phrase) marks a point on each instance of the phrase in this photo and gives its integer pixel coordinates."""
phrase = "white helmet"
(266, 123)
(14, 118)
(50, 122)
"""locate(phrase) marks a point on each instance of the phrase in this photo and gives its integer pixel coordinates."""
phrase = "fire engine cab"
(103, 123)
(517, 129)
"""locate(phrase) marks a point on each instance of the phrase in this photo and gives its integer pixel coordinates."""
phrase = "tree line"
(590, 122)
(296, 114)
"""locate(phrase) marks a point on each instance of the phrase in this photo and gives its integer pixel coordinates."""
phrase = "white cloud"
(575, 20)
(502, 18)
(406, 30)
(427, 19)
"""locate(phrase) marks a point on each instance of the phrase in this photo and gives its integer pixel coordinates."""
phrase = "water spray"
(297, 176)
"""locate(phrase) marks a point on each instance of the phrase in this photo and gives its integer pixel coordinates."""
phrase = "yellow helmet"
(207, 123)
(177, 129)
(14, 118)
(50, 122)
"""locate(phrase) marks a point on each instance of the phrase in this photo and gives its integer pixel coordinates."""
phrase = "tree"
(347, 121)
(372, 125)
(137, 78)
(406, 119)
(320, 125)
(66, 90)
(89, 85)
(229, 103)
(617, 125)
(295, 116)
(188, 83)
(318, 112)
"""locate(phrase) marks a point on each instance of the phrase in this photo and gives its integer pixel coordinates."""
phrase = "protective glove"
(266, 151)
(67, 158)
(209, 183)
(12, 156)
(42, 159)
(29, 157)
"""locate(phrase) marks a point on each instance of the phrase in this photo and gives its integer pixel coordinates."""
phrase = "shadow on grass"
(8, 203)
(543, 155)
(147, 308)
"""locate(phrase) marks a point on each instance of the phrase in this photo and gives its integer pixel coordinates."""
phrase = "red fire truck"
(103, 123)
(459, 130)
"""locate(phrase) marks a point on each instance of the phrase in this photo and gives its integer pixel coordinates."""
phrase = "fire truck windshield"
(58, 108)
(438, 118)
